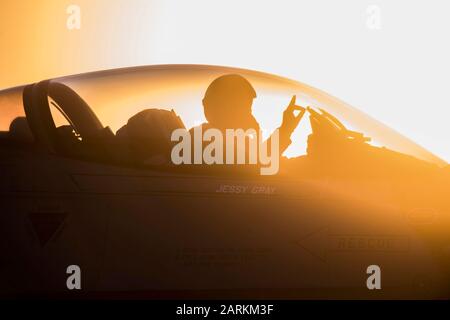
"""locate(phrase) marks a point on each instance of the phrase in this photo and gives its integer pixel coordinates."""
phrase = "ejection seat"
(146, 138)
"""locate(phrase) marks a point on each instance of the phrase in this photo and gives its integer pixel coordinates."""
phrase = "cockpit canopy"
(120, 99)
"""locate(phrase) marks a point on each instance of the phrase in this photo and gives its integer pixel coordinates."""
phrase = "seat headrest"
(19, 130)
(149, 132)
(152, 123)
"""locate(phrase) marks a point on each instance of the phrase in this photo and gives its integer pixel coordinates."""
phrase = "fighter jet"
(92, 207)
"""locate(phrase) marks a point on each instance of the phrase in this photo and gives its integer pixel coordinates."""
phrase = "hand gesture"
(290, 120)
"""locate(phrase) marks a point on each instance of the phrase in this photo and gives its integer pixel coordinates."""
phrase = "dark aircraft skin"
(152, 230)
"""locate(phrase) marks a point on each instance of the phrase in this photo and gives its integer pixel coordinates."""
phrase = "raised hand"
(290, 120)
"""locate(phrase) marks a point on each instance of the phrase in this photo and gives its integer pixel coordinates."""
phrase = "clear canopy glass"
(117, 95)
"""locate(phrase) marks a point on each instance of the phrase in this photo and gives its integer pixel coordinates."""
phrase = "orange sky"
(36, 44)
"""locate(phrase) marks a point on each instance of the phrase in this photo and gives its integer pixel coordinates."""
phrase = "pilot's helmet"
(229, 85)
(227, 96)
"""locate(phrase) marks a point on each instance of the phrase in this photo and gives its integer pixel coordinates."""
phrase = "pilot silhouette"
(228, 105)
